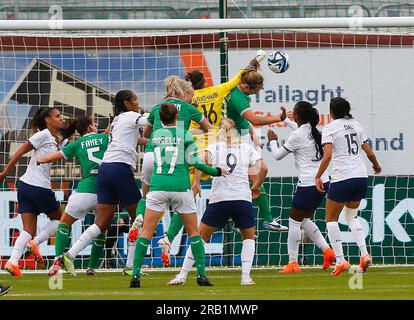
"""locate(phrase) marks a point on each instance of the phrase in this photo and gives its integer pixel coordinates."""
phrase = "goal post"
(80, 67)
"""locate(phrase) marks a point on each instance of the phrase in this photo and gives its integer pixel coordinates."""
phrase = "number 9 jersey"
(346, 136)
(236, 159)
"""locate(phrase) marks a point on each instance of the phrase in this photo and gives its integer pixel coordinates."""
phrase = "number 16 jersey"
(346, 136)
(89, 151)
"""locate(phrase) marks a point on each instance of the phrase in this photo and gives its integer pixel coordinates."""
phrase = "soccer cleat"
(135, 282)
(127, 271)
(4, 290)
(328, 258)
(57, 265)
(178, 280)
(33, 248)
(136, 228)
(364, 263)
(291, 267)
(248, 282)
(274, 225)
(68, 265)
(90, 272)
(165, 245)
(203, 281)
(13, 269)
(339, 268)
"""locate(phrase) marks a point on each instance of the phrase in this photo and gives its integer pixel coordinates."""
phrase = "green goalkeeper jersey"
(89, 151)
(174, 150)
(186, 113)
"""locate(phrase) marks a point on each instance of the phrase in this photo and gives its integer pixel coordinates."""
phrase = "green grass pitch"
(377, 283)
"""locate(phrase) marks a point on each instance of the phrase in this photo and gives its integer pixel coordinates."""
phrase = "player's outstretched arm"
(278, 153)
(371, 156)
(285, 116)
(254, 64)
(327, 156)
(260, 120)
(25, 148)
(52, 157)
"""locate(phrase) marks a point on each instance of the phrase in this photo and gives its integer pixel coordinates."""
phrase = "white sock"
(359, 236)
(188, 263)
(48, 230)
(247, 255)
(19, 247)
(130, 257)
(294, 238)
(314, 234)
(84, 240)
(334, 235)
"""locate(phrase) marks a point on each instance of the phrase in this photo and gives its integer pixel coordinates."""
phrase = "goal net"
(81, 72)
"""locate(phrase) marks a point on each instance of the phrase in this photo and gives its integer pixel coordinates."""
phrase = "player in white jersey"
(116, 182)
(342, 141)
(230, 196)
(35, 194)
(305, 144)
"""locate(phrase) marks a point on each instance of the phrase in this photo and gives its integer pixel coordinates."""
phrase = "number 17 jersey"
(346, 136)
(89, 151)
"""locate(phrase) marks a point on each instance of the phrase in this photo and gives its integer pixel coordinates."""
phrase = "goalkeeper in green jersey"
(89, 151)
(174, 150)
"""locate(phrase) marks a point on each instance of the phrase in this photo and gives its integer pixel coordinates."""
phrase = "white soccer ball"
(278, 61)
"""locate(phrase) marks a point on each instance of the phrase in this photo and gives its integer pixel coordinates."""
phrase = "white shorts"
(181, 202)
(79, 204)
(147, 167)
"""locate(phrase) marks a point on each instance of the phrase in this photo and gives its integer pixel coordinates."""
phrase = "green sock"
(141, 206)
(96, 251)
(197, 247)
(62, 238)
(141, 249)
(263, 203)
(175, 226)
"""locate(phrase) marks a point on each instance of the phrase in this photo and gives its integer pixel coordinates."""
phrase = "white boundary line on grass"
(176, 269)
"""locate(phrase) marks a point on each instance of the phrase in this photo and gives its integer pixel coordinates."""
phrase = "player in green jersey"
(237, 107)
(89, 151)
(174, 151)
(179, 93)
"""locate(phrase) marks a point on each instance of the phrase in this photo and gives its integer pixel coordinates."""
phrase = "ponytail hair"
(308, 114)
(38, 123)
(196, 77)
(340, 108)
(178, 88)
(79, 124)
(228, 132)
(120, 98)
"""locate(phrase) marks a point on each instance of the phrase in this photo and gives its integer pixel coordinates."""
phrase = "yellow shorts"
(203, 140)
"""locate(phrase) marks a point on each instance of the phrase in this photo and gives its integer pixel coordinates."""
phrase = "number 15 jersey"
(346, 136)
(236, 159)
(89, 151)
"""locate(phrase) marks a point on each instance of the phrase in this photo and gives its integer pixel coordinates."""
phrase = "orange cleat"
(291, 267)
(33, 248)
(339, 268)
(328, 258)
(364, 264)
(13, 269)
